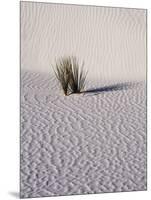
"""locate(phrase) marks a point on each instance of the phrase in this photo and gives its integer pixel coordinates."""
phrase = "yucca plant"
(71, 76)
(62, 73)
(77, 76)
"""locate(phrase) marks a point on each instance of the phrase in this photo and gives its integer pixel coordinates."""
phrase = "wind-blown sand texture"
(78, 144)
(92, 142)
(110, 41)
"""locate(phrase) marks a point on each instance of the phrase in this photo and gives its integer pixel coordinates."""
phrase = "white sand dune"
(93, 142)
(89, 143)
(111, 41)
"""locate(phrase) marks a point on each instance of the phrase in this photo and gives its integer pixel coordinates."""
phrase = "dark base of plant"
(73, 93)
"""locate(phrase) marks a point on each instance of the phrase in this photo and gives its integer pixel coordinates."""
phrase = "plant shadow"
(111, 88)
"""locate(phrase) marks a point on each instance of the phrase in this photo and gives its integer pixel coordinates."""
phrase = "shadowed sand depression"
(81, 144)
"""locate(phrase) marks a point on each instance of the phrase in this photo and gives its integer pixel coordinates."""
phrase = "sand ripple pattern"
(111, 39)
(80, 144)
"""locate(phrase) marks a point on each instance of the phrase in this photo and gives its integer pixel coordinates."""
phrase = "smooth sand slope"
(89, 143)
(110, 41)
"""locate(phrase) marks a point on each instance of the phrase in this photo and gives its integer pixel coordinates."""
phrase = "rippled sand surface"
(92, 142)
(89, 143)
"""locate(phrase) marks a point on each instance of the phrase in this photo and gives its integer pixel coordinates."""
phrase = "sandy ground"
(89, 143)
(110, 41)
(93, 142)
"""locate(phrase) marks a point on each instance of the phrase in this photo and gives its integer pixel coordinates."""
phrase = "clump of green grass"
(71, 75)
(62, 72)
